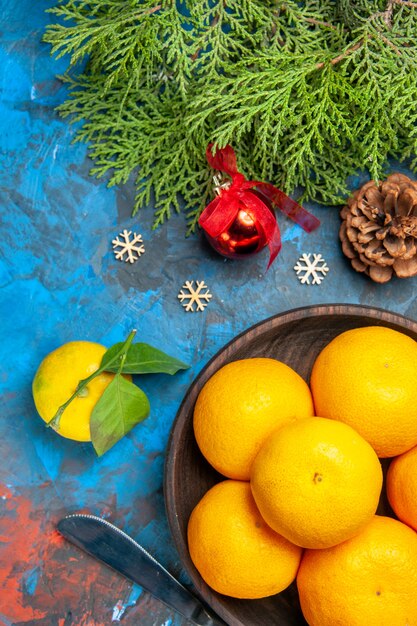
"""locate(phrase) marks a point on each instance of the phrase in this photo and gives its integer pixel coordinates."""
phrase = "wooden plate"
(295, 337)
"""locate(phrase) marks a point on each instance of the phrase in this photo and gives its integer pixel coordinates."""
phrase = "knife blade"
(109, 544)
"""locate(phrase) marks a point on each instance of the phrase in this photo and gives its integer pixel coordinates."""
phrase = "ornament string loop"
(253, 196)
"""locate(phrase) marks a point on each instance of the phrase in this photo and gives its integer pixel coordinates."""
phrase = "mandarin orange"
(316, 482)
(402, 487)
(369, 580)
(240, 405)
(366, 377)
(232, 547)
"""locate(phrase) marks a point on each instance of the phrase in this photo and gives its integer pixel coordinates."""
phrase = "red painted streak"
(20, 532)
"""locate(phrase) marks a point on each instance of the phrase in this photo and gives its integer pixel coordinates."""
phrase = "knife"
(109, 544)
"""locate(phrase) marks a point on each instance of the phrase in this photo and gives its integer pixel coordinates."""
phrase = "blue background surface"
(59, 281)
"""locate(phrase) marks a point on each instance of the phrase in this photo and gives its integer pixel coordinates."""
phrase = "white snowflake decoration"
(307, 268)
(194, 296)
(132, 248)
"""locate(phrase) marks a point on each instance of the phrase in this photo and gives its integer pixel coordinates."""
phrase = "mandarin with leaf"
(57, 379)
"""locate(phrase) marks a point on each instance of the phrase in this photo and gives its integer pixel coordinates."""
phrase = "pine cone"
(379, 228)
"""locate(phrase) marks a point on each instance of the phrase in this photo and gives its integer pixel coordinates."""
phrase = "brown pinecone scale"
(379, 228)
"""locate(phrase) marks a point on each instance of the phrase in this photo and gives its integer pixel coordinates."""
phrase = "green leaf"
(120, 408)
(141, 358)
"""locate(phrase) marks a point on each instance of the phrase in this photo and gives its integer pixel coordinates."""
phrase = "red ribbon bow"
(223, 210)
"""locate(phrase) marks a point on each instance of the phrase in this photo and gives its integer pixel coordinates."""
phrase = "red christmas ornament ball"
(244, 237)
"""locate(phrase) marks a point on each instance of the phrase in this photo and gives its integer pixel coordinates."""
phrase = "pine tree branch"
(341, 56)
(389, 43)
(205, 41)
(154, 9)
(405, 3)
(307, 92)
(312, 20)
(387, 15)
